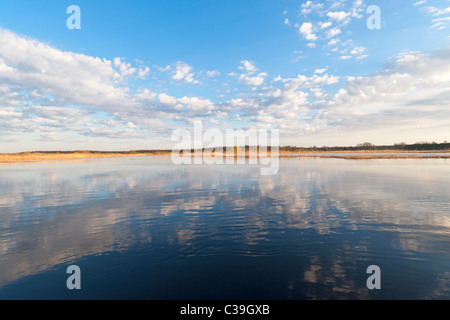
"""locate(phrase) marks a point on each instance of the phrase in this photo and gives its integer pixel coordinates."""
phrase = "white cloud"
(212, 74)
(418, 3)
(333, 42)
(41, 69)
(339, 13)
(250, 78)
(320, 71)
(298, 56)
(196, 104)
(305, 82)
(40, 85)
(256, 80)
(125, 69)
(317, 93)
(412, 92)
(183, 73)
(170, 102)
(338, 16)
(307, 31)
(310, 6)
(248, 66)
(46, 90)
(437, 11)
(408, 100)
(358, 9)
(440, 23)
(325, 25)
(333, 32)
(441, 16)
(357, 50)
(143, 73)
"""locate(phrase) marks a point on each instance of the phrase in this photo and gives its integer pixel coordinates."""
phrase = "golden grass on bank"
(36, 156)
(78, 155)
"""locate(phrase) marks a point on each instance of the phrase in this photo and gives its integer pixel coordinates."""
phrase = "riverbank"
(358, 155)
(75, 155)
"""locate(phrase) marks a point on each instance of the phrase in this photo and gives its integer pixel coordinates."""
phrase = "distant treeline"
(419, 146)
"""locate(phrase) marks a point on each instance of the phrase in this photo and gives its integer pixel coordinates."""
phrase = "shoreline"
(57, 156)
(10, 158)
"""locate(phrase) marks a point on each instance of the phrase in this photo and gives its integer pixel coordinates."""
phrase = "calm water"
(142, 228)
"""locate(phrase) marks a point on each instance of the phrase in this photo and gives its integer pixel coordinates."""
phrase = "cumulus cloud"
(213, 73)
(324, 25)
(45, 89)
(326, 20)
(248, 66)
(333, 42)
(183, 72)
(250, 77)
(338, 16)
(333, 32)
(256, 80)
(409, 98)
(143, 73)
(306, 30)
(68, 77)
(320, 71)
(49, 92)
(310, 6)
(198, 105)
(125, 69)
(358, 50)
(412, 92)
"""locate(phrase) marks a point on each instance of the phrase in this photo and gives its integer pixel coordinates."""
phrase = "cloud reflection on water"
(325, 211)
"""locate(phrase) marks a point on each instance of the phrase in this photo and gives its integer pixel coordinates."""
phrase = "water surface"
(143, 228)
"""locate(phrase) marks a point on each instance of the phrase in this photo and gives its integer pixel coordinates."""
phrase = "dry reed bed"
(36, 156)
(23, 157)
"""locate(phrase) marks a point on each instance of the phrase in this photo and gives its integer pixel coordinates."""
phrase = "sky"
(138, 70)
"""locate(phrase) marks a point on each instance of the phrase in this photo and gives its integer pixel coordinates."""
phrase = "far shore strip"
(349, 155)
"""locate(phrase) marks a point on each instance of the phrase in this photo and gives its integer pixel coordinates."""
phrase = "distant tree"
(366, 145)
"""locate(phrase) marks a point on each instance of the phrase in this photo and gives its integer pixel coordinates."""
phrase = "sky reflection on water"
(142, 228)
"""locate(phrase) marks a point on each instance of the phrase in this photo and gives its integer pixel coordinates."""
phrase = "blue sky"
(137, 70)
